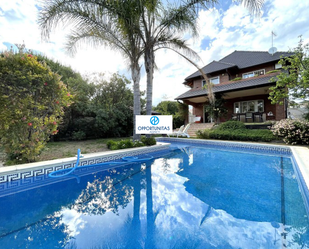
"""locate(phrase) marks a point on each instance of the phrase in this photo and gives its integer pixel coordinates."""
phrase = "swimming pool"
(191, 196)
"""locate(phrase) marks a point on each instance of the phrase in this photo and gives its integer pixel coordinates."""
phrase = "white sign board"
(148, 124)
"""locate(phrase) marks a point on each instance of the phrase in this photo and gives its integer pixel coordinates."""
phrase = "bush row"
(240, 134)
(236, 130)
(129, 143)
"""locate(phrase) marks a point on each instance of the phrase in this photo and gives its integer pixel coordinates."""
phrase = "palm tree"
(160, 29)
(123, 25)
(97, 22)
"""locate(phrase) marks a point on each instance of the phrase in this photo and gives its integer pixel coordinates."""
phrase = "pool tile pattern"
(275, 149)
(19, 185)
(46, 169)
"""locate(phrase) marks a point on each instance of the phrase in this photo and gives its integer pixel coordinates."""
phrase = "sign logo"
(147, 124)
(154, 120)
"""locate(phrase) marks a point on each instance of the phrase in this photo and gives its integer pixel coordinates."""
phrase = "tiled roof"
(211, 67)
(241, 59)
(244, 59)
(256, 81)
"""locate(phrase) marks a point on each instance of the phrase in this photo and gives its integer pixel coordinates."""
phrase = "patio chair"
(258, 117)
(176, 132)
(249, 116)
(185, 131)
(234, 117)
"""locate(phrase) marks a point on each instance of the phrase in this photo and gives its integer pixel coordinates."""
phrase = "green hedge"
(231, 125)
(243, 135)
(235, 130)
(129, 143)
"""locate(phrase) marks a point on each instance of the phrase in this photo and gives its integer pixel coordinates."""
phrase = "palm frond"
(176, 43)
(254, 6)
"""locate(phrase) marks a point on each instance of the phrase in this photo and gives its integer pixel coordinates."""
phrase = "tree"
(82, 93)
(161, 26)
(109, 23)
(123, 25)
(293, 81)
(112, 104)
(32, 101)
(172, 108)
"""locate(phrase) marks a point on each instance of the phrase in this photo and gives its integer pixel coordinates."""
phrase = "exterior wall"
(197, 84)
(280, 112)
(225, 78)
(277, 110)
(268, 67)
(198, 110)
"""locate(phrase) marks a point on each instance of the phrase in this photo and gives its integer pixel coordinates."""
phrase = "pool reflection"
(149, 205)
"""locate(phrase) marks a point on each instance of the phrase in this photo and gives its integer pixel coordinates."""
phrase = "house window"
(214, 80)
(253, 74)
(249, 106)
(278, 66)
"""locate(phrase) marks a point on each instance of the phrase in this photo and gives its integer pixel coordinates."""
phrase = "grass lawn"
(56, 150)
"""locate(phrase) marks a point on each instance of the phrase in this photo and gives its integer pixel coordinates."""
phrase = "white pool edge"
(301, 156)
(23, 171)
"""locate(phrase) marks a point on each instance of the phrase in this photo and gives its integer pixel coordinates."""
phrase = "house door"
(206, 117)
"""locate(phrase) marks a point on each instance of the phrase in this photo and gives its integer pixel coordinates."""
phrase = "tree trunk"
(135, 70)
(149, 67)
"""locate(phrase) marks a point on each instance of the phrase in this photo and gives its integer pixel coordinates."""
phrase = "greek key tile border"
(230, 145)
(45, 170)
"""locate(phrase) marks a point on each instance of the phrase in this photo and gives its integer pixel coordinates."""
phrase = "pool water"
(192, 197)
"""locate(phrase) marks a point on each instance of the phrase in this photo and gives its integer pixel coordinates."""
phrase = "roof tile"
(241, 59)
(256, 81)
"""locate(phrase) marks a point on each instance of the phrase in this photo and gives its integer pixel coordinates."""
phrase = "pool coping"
(24, 171)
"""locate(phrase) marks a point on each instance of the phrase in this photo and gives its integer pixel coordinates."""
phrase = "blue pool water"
(192, 197)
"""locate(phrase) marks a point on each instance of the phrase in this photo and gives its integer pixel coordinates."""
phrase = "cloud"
(18, 21)
(222, 29)
(235, 29)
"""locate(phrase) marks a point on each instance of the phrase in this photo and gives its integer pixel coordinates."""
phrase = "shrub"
(203, 134)
(231, 125)
(112, 145)
(236, 130)
(292, 131)
(237, 78)
(32, 102)
(137, 143)
(149, 141)
(273, 71)
(128, 143)
(78, 135)
(125, 144)
(118, 145)
(243, 135)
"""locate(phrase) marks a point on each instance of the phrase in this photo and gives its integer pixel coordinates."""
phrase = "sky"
(224, 28)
